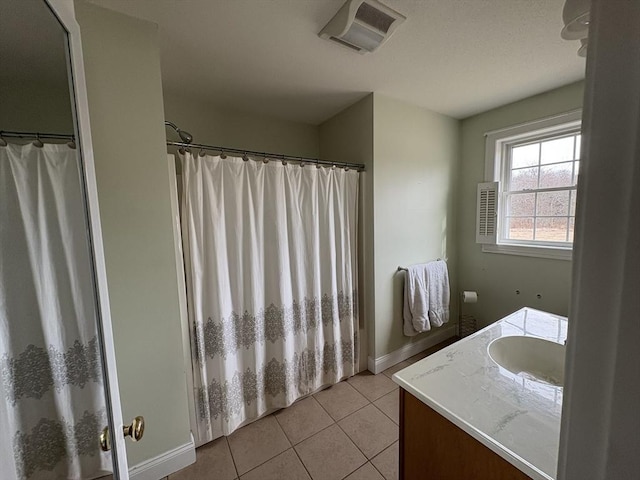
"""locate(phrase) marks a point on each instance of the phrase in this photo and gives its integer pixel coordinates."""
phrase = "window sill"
(530, 251)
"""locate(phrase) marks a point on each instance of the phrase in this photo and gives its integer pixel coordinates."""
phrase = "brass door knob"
(135, 430)
(105, 440)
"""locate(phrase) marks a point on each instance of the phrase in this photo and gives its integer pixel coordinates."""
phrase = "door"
(58, 380)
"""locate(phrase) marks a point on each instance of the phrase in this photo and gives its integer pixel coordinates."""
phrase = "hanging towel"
(426, 297)
(438, 288)
(416, 300)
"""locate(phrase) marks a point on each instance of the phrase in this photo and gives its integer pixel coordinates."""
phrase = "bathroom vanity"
(488, 406)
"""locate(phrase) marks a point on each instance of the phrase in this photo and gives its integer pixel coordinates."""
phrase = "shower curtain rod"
(273, 156)
(50, 136)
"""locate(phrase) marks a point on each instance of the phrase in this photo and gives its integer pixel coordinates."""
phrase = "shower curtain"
(270, 262)
(52, 405)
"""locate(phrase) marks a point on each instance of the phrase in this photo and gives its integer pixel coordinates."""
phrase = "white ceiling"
(456, 57)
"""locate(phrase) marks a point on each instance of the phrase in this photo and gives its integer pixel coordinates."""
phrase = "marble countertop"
(516, 417)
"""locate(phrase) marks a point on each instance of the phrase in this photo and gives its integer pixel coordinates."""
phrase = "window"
(536, 169)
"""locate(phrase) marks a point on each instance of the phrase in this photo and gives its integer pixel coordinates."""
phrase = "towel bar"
(404, 269)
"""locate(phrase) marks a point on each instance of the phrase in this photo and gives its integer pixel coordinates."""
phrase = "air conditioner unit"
(362, 25)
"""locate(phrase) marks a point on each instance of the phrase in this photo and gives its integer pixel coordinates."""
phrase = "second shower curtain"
(52, 404)
(270, 261)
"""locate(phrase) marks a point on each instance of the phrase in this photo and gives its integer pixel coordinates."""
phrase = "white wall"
(212, 125)
(496, 277)
(415, 160)
(348, 137)
(122, 66)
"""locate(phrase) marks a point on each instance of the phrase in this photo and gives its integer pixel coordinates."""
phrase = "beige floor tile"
(330, 455)
(341, 400)
(370, 429)
(372, 386)
(365, 472)
(396, 368)
(286, 466)
(303, 419)
(256, 443)
(388, 462)
(390, 406)
(213, 461)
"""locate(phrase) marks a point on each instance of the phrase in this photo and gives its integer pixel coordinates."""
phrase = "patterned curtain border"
(51, 441)
(225, 337)
(275, 378)
(37, 370)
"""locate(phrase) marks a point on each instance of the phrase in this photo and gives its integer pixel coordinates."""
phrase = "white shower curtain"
(52, 405)
(270, 260)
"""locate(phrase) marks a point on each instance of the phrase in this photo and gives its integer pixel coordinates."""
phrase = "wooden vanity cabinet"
(433, 448)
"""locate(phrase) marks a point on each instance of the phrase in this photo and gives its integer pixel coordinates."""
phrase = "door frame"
(65, 12)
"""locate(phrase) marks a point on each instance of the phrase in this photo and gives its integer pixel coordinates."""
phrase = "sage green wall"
(34, 88)
(348, 137)
(227, 128)
(407, 201)
(415, 158)
(496, 277)
(122, 65)
(35, 105)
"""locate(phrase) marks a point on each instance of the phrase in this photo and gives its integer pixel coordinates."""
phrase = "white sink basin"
(530, 357)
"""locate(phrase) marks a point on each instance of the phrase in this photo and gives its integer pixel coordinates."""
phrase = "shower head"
(186, 137)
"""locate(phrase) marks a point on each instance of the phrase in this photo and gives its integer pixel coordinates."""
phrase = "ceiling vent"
(362, 25)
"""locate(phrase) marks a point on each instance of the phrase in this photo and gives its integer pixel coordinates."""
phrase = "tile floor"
(348, 431)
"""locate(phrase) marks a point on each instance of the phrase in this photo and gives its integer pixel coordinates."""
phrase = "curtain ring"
(302, 164)
(333, 167)
(265, 160)
(71, 144)
(245, 157)
(201, 153)
(223, 155)
(37, 142)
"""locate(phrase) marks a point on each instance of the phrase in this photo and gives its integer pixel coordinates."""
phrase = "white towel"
(416, 301)
(426, 297)
(439, 294)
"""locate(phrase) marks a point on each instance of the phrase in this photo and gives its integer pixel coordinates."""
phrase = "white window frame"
(497, 143)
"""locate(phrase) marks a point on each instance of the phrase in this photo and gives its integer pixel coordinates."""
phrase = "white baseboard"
(377, 365)
(165, 464)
